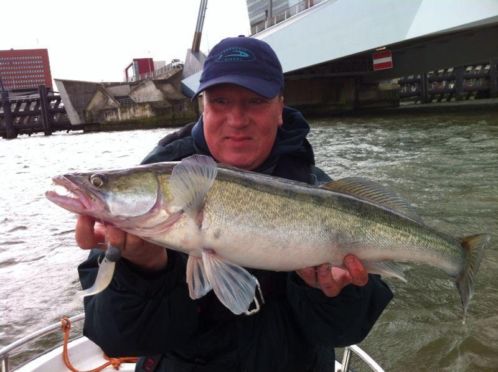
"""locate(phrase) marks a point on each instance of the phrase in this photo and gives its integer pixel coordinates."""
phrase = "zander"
(226, 219)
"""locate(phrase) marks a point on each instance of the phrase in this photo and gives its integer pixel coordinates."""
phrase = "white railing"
(164, 70)
(5, 352)
(367, 359)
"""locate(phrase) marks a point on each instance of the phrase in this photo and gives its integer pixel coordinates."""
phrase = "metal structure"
(267, 13)
(196, 42)
(455, 83)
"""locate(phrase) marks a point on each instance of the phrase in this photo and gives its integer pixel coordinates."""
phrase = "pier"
(40, 112)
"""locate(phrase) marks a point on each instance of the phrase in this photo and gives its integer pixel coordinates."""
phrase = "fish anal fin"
(198, 284)
(374, 193)
(473, 247)
(190, 182)
(234, 285)
(385, 268)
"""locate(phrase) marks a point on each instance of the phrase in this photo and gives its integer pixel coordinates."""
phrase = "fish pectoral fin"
(385, 268)
(103, 279)
(198, 284)
(234, 285)
(191, 180)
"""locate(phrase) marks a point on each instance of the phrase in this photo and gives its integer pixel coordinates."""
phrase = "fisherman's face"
(240, 126)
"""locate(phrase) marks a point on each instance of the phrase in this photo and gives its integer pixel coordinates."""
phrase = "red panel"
(382, 60)
(25, 68)
(144, 65)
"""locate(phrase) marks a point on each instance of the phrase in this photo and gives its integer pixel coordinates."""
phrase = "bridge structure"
(344, 54)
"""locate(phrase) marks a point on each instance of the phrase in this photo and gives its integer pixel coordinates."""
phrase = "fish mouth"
(74, 198)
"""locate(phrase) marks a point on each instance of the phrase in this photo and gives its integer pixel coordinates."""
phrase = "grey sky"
(95, 40)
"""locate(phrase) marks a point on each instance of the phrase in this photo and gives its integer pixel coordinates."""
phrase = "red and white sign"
(382, 60)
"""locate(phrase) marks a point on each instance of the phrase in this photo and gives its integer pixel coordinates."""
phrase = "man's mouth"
(239, 138)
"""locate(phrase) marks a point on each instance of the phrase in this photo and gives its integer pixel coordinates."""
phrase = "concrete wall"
(334, 95)
(76, 95)
(150, 115)
(321, 95)
(137, 111)
(118, 90)
(100, 101)
(146, 91)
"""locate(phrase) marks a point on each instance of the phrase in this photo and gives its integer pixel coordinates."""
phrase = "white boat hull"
(83, 354)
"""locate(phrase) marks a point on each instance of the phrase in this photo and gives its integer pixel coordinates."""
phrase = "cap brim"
(265, 88)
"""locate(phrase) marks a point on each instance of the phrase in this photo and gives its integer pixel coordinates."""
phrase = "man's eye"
(220, 101)
(258, 101)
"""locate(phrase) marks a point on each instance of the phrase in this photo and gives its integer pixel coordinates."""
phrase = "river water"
(445, 164)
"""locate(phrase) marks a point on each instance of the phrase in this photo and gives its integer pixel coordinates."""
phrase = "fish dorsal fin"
(191, 180)
(373, 193)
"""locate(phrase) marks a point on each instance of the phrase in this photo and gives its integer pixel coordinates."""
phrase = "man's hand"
(90, 234)
(331, 280)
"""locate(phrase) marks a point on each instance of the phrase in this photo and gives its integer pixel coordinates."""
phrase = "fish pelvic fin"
(104, 277)
(234, 286)
(473, 247)
(198, 284)
(191, 180)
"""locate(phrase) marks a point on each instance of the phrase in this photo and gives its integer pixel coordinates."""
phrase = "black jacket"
(297, 328)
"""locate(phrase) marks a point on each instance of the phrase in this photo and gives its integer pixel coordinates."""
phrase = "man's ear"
(281, 102)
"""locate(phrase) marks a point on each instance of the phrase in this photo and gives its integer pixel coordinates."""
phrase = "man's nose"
(238, 115)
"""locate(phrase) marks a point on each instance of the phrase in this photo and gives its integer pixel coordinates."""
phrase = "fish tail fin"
(104, 277)
(473, 247)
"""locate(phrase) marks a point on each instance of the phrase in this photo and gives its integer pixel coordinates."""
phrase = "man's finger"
(85, 234)
(309, 275)
(359, 276)
(115, 237)
(331, 284)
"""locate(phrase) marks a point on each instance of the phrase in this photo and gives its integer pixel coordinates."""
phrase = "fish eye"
(97, 180)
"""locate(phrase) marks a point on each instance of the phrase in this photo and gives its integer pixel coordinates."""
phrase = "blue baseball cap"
(244, 61)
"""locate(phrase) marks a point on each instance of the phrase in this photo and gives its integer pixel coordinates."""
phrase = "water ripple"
(18, 228)
(446, 165)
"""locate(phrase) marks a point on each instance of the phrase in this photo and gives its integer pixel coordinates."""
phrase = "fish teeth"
(62, 191)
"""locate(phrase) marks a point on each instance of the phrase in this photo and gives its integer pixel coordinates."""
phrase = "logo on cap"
(235, 54)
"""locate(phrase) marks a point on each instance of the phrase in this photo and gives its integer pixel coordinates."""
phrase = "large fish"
(226, 219)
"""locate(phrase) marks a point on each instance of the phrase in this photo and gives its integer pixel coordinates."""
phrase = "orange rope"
(114, 362)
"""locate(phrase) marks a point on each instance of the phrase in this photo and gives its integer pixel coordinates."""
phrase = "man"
(147, 311)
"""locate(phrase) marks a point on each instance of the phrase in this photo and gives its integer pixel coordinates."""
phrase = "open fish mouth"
(69, 195)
